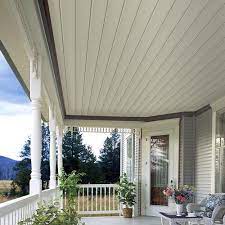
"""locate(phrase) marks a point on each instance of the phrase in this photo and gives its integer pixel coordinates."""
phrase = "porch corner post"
(59, 142)
(36, 146)
(52, 128)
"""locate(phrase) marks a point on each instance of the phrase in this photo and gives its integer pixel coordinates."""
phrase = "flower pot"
(179, 209)
(127, 212)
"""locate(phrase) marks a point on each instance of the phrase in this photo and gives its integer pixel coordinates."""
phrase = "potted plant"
(126, 194)
(50, 213)
(180, 195)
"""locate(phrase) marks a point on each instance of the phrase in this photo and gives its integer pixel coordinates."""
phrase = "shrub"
(50, 214)
(126, 192)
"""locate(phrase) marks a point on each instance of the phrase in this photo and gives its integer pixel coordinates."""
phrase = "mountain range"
(6, 168)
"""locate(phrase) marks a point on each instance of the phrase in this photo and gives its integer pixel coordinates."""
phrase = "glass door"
(160, 162)
(159, 169)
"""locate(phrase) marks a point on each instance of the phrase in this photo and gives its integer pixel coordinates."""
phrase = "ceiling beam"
(45, 17)
(139, 119)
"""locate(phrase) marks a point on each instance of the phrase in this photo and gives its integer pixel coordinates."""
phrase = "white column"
(52, 129)
(35, 95)
(59, 142)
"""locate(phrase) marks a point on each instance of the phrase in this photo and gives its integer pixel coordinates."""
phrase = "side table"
(174, 219)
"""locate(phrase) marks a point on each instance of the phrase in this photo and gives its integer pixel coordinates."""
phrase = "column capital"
(35, 77)
(34, 65)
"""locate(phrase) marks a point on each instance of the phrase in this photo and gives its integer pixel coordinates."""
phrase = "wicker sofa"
(211, 208)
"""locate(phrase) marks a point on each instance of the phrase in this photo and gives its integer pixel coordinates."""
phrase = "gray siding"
(196, 153)
(187, 146)
(203, 154)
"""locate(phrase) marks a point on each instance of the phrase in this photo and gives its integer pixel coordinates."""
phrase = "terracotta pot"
(127, 212)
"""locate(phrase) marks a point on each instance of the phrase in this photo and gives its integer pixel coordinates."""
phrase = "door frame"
(165, 127)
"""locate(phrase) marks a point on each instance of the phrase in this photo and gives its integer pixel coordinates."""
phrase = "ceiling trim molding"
(140, 119)
(202, 110)
(47, 26)
(126, 119)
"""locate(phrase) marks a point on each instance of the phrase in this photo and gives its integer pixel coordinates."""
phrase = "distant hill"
(6, 168)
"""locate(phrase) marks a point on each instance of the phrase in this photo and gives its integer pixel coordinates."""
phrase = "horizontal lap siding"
(187, 146)
(203, 154)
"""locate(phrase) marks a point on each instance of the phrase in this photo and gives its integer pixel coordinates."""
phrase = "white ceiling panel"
(139, 57)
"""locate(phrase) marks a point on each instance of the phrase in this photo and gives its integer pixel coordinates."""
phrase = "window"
(220, 152)
(130, 157)
(159, 156)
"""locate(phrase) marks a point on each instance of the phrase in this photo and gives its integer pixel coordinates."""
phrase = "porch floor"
(113, 220)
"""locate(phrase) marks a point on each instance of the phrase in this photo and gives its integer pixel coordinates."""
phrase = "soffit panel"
(139, 58)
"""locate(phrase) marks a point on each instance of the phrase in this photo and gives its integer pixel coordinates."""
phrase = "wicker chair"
(216, 216)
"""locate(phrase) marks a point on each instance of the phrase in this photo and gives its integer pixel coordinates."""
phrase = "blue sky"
(10, 88)
(15, 116)
(15, 112)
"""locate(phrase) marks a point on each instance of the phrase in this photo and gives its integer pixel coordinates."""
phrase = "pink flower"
(181, 198)
(168, 192)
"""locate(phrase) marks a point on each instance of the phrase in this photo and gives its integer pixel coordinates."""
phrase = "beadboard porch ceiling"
(139, 57)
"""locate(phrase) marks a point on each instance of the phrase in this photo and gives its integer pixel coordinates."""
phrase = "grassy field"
(5, 186)
(96, 204)
(84, 203)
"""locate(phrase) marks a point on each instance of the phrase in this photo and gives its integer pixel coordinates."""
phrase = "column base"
(52, 184)
(35, 186)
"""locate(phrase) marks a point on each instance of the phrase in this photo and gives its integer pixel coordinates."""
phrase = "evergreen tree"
(79, 157)
(23, 167)
(109, 160)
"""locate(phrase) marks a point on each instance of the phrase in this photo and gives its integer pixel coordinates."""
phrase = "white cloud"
(15, 127)
(95, 140)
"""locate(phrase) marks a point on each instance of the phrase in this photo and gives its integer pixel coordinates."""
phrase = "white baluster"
(113, 198)
(87, 198)
(105, 197)
(83, 199)
(92, 202)
(96, 199)
(100, 199)
(109, 199)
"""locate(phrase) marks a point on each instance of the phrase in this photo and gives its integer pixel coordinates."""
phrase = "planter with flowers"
(180, 195)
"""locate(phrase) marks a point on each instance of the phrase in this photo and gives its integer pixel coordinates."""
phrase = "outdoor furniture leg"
(162, 221)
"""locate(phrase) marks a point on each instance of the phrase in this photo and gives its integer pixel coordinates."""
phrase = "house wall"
(196, 153)
(203, 155)
(187, 147)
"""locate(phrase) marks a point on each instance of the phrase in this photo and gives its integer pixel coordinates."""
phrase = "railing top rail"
(97, 185)
(14, 204)
(47, 191)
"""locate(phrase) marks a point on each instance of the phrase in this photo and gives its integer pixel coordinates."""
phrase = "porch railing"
(97, 199)
(91, 199)
(16, 210)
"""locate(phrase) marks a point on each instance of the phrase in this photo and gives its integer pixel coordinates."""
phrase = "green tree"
(79, 157)
(109, 159)
(23, 167)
